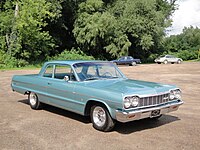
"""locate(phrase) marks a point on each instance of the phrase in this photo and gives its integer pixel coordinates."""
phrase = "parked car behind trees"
(168, 59)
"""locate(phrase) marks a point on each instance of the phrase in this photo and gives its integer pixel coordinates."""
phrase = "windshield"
(96, 71)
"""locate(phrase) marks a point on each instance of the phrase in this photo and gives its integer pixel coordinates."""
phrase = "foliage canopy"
(34, 30)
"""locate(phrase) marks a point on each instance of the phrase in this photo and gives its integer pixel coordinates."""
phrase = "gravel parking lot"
(53, 128)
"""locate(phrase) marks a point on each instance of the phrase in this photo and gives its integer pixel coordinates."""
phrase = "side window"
(48, 72)
(121, 59)
(130, 58)
(63, 70)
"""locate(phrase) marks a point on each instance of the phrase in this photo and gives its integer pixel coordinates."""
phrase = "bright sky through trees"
(187, 15)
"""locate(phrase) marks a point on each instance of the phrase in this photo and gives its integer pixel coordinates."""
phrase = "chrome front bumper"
(137, 114)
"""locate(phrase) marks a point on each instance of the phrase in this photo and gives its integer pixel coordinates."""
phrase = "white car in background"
(168, 59)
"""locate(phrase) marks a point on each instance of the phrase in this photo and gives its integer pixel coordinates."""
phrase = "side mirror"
(66, 78)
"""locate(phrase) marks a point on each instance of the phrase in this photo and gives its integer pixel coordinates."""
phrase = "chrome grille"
(154, 100)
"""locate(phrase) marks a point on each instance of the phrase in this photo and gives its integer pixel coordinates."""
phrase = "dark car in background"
(127, 60)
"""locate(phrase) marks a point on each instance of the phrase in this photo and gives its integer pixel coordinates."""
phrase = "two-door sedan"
(97, 89)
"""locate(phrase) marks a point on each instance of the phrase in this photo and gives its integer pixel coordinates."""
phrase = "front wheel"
(33, 101)
(101, 118)
(165, 62)
(156, 118)
(133, 63)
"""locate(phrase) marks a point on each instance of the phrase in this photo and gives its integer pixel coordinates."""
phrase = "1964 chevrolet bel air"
(97, 89)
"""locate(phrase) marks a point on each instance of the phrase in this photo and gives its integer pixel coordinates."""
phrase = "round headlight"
(177, 94)
(171, 95)
(127, 103)
(134, 101)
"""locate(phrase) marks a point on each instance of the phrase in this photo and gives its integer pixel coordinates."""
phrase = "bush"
(72, 55)
(151, 58)
(7, 61)
(187, 54)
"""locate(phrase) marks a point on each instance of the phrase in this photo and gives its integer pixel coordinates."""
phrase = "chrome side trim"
(89, 97)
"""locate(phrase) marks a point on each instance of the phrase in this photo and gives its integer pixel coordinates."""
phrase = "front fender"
(110, 109)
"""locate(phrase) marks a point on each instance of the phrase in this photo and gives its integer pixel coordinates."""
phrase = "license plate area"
(155, 113)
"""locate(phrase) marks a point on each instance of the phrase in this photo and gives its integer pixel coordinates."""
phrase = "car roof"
(71, 62)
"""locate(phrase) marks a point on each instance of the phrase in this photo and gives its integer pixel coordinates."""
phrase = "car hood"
(130, 87)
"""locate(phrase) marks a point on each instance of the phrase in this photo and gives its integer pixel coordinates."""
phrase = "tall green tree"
(185, 45)
(122, 27)
(22, 28)
(96, 30)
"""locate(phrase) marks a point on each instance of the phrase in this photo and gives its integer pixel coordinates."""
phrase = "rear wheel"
(33, 101)
(101, 118)
(179, 61)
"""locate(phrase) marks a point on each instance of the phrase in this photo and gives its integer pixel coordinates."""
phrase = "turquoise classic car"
(97, 89)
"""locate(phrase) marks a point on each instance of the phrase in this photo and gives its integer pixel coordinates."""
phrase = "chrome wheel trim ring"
(33, 99)
(99, 116)
(133, 63)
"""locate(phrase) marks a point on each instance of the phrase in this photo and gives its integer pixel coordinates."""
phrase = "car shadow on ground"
(123, 128)
(62, 112)
(143, 124)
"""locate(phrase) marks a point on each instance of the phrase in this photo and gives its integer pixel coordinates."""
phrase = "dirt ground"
(53, 128)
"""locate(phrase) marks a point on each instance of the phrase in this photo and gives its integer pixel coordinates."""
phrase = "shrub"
(187, 54)
(151, 58)
(7, 61)
(72, 55)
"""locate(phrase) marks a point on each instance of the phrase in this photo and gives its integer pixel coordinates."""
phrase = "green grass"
(22, 68)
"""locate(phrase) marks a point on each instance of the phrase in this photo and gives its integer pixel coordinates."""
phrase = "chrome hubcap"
(99, 116)
(33, 99)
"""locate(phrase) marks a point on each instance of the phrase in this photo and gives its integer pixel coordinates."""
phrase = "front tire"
(101, 118)
(165, 62)
(133, 63)
(156, 118)
(33, 101)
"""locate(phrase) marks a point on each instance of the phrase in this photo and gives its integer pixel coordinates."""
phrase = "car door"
(173, 59)
(43, 82)
(168, 58)
(61, 88)
(121, 61)
(129, 60)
